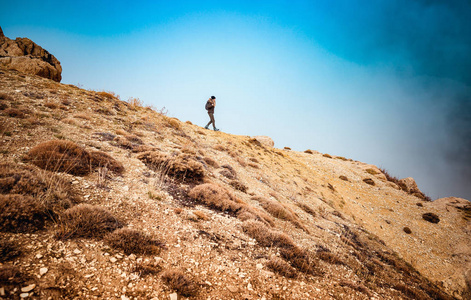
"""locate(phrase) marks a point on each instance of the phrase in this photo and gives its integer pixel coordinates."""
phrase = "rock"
(113, 259)
(28, 288)
(409, 185)
(25, 56)
(174, 296)
(24, 295)
(43, 271)
(232, 288)
(259, 266)
(2, 289)
(369, 181)
(264, 140)
(431, 217)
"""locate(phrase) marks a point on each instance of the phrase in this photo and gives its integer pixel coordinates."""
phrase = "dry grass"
(307, 208)
(12, 275)
(302, 260)
(100, 159)
(201, 215)
(369, 181)
(371, 171)
(83, 116)
(182, 167)
(343, 177)
(14, 113)
(267, 237)
(135, 102)
(108, 95)
(177, 280)
(87, 221)
(407, 230)
(211, 162)
(281, 267)
(9, 250)
(173, 123)
(60, 156)
(133, 241)
(51, 105)
(123, 142)
(327, 155)
(238, 186)
(5, 96)
(144, 269)
(309, 151)
(330, 257)
(19, 213)
(279, 211)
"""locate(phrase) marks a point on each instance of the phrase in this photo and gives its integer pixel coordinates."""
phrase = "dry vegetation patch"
(20, 213)
(87, 221)
(267, 237)
(133, 241)
(280, 266)
(279, 211)
(177, 280)
(100, 159)
(182, 166)
(60, 156)
(9, 249)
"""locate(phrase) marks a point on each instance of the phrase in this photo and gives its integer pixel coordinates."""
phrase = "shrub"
(281, 267)
(8, 249)
(211, 162)
(343, 177)
(431, 217)
(330, 257)
(265, 236)
(407, 230)
(133, 241)
(11, 275)
(60, 156)
(4, 96)
(51, 105)
(228, 172)
(309, 151)
(307, 208)
(83, 116)
(3, 106)
(369, 181)
(371, 171)
(102, 160)
(179, 282)
(173, 123)
(19, 213)
(135, 102)
(327, 155)
(238, 186)
(54, 193)
(123, 142)
(300, 259)
(14, 113)
(182, 167)
(144, 269)
(88, 221)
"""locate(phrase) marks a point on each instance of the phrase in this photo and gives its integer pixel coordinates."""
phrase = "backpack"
(208, 105)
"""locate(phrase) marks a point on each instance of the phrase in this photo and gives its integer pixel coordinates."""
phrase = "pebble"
(113, 259)
(43, 271)
(28, 288)
(124, 297)
(39, 256)
(77, 251)
(259, 266)
(2, 291)
(232, 289)
(24, 295)
(249, 287)
(174, 296)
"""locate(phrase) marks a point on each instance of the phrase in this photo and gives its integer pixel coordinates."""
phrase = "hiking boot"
(215, 129)
(206, 127)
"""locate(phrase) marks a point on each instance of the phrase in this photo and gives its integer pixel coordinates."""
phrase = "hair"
(213, 97)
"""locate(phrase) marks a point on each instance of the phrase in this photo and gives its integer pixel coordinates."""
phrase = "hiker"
(210, 105)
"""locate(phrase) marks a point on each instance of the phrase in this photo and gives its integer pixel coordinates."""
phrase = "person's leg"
(211, 120)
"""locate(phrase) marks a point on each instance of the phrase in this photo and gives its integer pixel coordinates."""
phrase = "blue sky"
(383, 82)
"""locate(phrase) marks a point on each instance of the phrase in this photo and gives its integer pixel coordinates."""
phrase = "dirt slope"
(131, 204)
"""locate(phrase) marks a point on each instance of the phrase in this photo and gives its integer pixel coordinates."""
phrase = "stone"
(28, 288)
(409, 185)
(259, 266)
(113, 259)
(2, 289)
(25, 56)
(232, 288)
(174, 296)
(265, 141)
(24, 295)
(43, 271)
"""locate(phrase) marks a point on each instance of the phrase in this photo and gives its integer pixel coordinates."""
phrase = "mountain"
(103, 198)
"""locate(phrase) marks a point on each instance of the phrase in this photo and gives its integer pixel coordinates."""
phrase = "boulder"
(409, 185)
(26, 56)
(265, 141)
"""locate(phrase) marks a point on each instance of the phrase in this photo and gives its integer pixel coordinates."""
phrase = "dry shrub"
(135, 102)
(4, 96)
(302, 260)
(82, 116)
(121, 132)
(144, 269)
(327, 155)
(133, 241)
(8, 249)
(330, 257)
(134, 139)
(281, 267)
(69, 121)
(219, 147)
(279, 211)
(88, 221)
(265, 236)
(182, 166)
(309, 151)
(369, 181)
(3, 106)
(255, 166)
(143, 148)
(123, 142)
(60, 156)
(287, 148)
(108, 95)
(431, 217)
(218, 198)
(54, 193)
(211, 162)
(343, 177)
(201, 215)
(19, 213)
(100, 159)
(10, 275)
(229, 172)
(178, 281)
(173, 123)
(51, 105)
(407, 230)
(14, 113)
(241, 161)
(238, 186)
(357, 287)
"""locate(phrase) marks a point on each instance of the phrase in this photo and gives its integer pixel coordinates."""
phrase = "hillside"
(102, 198)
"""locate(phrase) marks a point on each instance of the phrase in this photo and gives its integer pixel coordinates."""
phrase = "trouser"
(211, 120)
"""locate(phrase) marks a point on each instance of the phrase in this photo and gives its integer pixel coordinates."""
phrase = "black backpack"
(208, 105)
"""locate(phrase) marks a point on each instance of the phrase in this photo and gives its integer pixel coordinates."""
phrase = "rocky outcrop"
(265, 141)
(26, 56)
